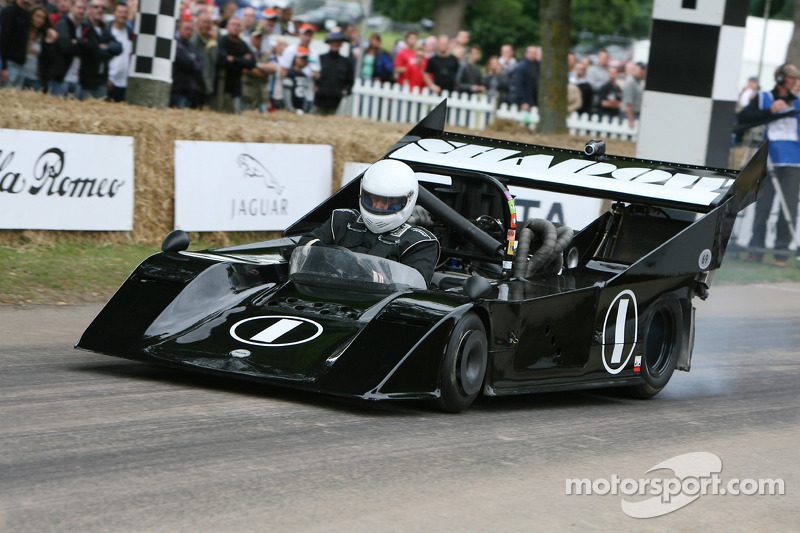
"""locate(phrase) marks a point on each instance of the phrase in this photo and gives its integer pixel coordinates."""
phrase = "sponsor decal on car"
(646, 181)
(704, 261)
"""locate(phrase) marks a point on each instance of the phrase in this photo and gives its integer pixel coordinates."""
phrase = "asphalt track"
(92, 443)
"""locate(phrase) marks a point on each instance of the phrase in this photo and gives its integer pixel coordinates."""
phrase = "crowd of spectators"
(231, 59)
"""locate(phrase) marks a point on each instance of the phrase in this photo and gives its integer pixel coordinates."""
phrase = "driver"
(388, 195)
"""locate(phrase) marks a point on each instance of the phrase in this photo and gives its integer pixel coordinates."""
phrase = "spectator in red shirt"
(407, 67)
(62, 8)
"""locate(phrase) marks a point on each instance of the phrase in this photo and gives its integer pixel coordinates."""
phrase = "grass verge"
(66, 273)
(69, 273)
(735, 270)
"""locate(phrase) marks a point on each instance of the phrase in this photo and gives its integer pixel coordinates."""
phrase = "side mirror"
(175, 241)
(476, 287)
(573, 258)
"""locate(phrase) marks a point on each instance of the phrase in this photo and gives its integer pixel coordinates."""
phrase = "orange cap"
(270, 13)
(302, 51)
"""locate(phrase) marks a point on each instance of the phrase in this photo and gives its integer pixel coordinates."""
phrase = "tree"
(496, 22)
(448, 16)
(402, 10)
(610, 17)
(493, 23)
(793, 54)
(778, 9)
(554, 23)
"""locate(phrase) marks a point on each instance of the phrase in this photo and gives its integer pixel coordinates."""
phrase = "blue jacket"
(384, 67)
(783, 134)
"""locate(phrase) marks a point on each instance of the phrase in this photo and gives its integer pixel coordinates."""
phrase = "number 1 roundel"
(275, 331)
(621, 312)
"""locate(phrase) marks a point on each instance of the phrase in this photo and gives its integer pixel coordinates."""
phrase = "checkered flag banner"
(154, 50)
(692, 80)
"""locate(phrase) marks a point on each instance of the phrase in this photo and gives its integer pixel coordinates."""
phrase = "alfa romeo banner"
(222, 186)
(65, 181)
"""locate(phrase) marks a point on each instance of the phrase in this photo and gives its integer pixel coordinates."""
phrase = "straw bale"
(156, 130)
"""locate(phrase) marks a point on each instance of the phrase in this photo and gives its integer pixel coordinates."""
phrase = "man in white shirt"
(597, 74)
(119, 65)
(269, 19)
(287, 58)
(633, 91)
(249, 23)
(312, 68)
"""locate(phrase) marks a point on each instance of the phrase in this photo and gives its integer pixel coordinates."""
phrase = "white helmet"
(388, 195)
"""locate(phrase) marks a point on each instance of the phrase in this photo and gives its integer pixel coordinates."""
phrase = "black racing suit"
(410, 245)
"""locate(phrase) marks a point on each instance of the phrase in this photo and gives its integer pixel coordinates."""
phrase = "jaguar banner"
(223, 186)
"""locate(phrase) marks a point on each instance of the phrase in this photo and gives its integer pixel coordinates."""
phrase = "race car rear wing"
(655, 183)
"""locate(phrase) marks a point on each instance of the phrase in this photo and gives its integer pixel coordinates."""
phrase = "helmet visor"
(383, 205)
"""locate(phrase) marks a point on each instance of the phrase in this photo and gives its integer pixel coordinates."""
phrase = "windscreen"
(334, 265)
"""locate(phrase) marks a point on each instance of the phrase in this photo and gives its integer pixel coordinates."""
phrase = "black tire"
(464, 365)
(663, 337)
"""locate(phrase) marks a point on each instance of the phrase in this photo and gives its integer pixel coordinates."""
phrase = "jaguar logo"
(253, 168)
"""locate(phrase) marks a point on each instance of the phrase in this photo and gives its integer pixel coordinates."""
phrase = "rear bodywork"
(235, 311)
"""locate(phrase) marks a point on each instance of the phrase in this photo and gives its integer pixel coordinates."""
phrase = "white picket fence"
(582, 125)
(386, 102)
(390, 102)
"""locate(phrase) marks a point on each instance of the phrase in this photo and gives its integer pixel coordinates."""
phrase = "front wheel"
(662, 344)
(464, 365)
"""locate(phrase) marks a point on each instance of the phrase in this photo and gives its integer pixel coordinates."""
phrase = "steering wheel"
(348, 265)
(492, 226)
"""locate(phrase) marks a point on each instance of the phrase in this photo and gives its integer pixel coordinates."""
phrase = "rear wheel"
(662, 344)
(464, 365)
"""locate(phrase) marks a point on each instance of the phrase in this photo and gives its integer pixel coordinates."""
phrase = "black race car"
(514, 306)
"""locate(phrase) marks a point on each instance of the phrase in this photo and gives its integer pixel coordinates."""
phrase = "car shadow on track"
(198, 380)
(554, 400)
(533, 402)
